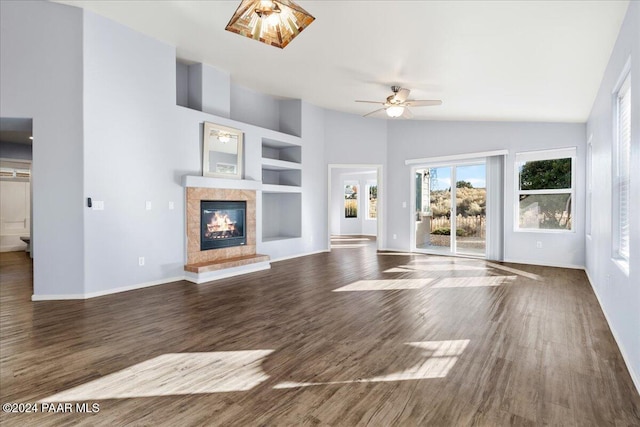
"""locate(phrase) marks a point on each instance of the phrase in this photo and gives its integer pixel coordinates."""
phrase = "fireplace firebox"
(222, 224)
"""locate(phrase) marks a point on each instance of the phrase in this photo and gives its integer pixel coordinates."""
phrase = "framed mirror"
(222, 151)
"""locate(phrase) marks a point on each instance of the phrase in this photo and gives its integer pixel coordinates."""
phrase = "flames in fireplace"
(222, 224)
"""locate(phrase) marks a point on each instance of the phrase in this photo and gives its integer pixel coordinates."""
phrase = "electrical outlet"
(539, 244)
(141, 261)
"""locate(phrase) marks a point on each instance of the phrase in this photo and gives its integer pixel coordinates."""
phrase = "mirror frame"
(207, 148)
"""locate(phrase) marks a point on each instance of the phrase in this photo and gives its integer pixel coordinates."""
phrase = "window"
(372, 202)
(621, 171)
(351, 200)
(545, 190)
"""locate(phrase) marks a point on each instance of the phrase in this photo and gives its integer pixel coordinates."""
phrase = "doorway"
(16, 155)
(355, 203)
(450, 208)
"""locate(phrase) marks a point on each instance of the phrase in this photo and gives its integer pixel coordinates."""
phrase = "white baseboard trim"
(211, 276)
(546, 264)
(35, 297)
(13, 248)
(400, 251)
(284, 258)
(634, 376)
(59, 297)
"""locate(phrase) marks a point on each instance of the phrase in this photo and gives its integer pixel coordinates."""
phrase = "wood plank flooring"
(351, 337)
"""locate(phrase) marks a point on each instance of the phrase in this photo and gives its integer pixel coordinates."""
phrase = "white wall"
(619, 294)
(132, 150)
(41, 78)
(314, 177)
(353, 139)
(422, 139)
(253, 107)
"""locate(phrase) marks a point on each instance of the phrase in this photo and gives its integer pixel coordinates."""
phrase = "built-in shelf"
(281, 150)
(281, 190)
(269, 188)
(279, 165)
(291, 177)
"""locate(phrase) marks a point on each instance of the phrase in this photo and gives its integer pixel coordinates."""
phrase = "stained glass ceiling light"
(274, 22)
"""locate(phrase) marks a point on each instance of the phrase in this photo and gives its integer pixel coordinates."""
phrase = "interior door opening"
(450, 209)
(355, 205)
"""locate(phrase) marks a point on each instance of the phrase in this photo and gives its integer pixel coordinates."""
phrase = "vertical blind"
(623, 170)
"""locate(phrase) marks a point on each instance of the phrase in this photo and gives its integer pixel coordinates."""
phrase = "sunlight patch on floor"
(515, 271)
(384, 285)
(473, 282)
(175, 374)
(439, 358)
(448, 261)
(433, 267)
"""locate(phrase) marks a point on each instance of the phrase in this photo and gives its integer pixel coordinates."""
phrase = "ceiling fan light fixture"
(395, 111)
(273, 22)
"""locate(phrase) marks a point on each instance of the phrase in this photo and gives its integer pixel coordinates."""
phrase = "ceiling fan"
(397, 104)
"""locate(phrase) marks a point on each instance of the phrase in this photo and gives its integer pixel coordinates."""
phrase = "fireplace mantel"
(230, 184)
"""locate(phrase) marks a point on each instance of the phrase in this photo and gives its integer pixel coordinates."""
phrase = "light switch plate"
(147, 205)
(98, 205)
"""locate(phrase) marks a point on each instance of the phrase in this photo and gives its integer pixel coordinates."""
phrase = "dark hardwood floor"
(349, 337)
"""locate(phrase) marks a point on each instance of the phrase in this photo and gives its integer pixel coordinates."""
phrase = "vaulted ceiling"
(487, 60)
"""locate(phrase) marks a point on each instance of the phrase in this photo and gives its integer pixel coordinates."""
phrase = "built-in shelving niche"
(281, 163)
(281, 190)
(281, 216)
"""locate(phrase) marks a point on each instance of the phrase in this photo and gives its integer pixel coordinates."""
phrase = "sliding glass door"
(450, 209)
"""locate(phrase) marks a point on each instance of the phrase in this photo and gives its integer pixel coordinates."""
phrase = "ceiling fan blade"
(406, 114)
(423, 102)
(373, 112)
(372, 102)
(402, 95)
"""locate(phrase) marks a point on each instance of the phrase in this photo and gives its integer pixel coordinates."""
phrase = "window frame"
(369, 184)
(621, 258)
(540, 155)
(350, 183)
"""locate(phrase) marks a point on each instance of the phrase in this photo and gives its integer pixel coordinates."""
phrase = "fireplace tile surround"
(217, 260)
